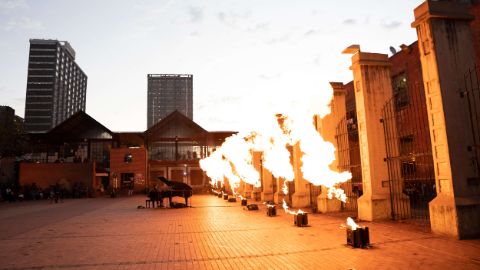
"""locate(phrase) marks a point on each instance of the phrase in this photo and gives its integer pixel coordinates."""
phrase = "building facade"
(11, 130)
(56, 85)
(167, 93)
(82, 152)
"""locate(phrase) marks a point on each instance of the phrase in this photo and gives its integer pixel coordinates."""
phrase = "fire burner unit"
(244, 202)
(358, 238)
(232, 199)
(300, 219)
(225, 197)
(271, 210)
(219, 195)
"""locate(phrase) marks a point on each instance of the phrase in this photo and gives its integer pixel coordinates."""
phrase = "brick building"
(82, 151)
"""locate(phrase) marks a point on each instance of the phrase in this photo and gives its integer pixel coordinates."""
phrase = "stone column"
(446, 54)
(247, 192)
(267, 185)
(241, 188)
(278, 195)
(373, 88)
(301, 197)
(327, 128)
(258, 165)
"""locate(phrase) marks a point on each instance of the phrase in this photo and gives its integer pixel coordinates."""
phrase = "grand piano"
(174, 189)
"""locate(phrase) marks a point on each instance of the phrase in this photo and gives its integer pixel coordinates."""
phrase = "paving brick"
(213, 234)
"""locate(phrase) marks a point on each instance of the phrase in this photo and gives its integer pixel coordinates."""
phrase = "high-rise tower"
(167, 93)
(56, 86)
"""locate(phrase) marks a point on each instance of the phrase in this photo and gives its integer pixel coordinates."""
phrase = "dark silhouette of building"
(11, 130)
(56, 86)
(167, 93)
(7, 115)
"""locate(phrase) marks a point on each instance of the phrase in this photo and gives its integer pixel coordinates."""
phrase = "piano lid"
(175, 185)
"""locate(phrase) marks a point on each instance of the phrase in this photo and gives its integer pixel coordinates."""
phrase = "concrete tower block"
(446, 54)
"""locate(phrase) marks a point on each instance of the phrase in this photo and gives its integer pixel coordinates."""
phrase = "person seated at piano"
(153, 195)
(164, 192)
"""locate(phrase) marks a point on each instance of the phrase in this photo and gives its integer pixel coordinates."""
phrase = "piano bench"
(149, 203)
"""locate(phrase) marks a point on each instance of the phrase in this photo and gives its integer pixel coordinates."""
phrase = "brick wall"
(137, 166)
(46, 174)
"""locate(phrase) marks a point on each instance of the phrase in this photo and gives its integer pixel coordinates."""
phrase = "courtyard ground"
(108, 233)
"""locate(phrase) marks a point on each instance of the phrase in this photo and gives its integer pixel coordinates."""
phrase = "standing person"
(130, 187)
(8, 194)
(56, 190)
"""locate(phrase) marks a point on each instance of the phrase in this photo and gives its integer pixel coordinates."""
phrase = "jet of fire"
(352, 223)
(287, 123)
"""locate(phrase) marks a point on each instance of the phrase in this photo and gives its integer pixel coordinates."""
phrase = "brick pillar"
(446, 54)
(327, 127)
(373, 88)
(301, 197)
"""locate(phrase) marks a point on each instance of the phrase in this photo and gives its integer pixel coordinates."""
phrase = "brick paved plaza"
(214, 234)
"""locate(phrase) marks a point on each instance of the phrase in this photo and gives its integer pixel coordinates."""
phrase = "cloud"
(12, 4)
(259, 27)
(270, 76)
(231, 18)
(317, 60)
(196, 14)
(279, 39)
(391, 24)
(312, 32)
(22, 23)
(349, 21)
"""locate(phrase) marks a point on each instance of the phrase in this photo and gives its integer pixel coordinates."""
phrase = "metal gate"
(408, 152)
(315, 191)
(348, 150)
(471, 96)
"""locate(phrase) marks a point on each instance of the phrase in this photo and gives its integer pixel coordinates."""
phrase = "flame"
(286, 120)
(338, 193)
(285, 205)
(352, 223)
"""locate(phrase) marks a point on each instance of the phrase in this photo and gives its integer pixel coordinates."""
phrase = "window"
(400, 91)
(128, 158)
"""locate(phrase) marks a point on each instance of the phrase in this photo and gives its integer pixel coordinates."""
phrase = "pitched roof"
(175, 125)
(80, 126)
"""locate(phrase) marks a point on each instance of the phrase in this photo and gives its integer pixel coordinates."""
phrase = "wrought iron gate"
(471, 96)
(315, 191)
(409, 154)
(348, 150)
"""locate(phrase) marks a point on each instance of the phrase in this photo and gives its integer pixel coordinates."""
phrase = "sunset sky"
(242, 54)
